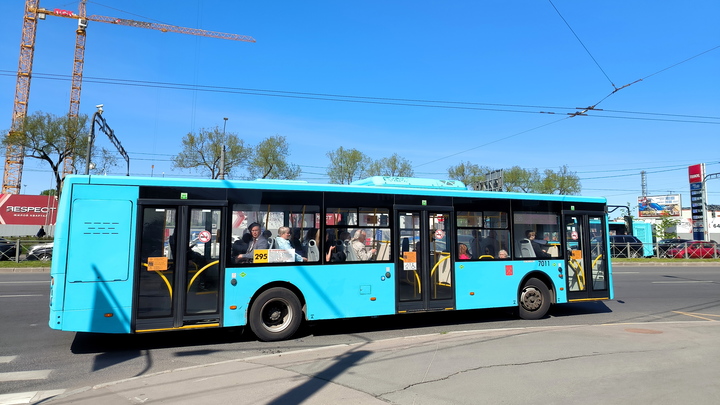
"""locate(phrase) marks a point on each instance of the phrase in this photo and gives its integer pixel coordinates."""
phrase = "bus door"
(424, 263)
(586, 259)
(178, 268)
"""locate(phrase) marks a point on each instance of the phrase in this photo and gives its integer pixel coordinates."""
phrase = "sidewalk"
(661, 363)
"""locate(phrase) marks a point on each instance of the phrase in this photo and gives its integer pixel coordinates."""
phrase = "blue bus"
(139, 255)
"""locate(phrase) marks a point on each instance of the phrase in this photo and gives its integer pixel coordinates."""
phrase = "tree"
(105, 161)
(562, 182)
(517, 179)
(202, 152)
(346, 165)
(270, 160)
(50, 191)
(395, 166)
(549, 182)
(52, 139)
(662, 228)
(469, 173)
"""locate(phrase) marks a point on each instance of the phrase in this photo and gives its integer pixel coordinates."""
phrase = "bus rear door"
(424, 263)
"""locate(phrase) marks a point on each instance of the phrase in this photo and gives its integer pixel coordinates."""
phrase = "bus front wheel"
(275, 315)
(534, 299)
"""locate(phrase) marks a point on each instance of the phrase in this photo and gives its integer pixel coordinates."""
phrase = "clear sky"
(437, 82)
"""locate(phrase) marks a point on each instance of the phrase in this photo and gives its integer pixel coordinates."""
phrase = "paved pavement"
(660, 363)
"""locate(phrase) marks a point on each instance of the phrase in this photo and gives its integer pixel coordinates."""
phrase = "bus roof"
(377, 184)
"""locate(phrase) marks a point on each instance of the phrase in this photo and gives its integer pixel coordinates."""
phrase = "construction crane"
(14, 155)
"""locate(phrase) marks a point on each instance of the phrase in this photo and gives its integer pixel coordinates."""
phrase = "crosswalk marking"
(30, 397)
(7, 359)
(24, 375)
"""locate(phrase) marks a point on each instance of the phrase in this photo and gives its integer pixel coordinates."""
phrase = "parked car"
(694, 250)
(7, 249)
(666, 244)
(40, 252)
(626, 246)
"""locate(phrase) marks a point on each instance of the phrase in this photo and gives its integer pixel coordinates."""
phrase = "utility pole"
(222, 153)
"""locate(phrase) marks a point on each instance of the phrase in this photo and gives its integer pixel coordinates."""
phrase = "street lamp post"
(222, 153)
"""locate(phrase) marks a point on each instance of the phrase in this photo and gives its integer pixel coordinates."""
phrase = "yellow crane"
(14, 155)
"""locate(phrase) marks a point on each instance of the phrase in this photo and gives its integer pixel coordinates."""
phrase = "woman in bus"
(463, 253)
(334, 252)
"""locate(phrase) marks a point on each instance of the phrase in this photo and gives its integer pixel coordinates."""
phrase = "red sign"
(204, 236)
(18, 209)
(695, 173)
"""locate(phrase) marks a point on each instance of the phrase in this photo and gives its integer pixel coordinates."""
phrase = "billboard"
(16, 209)
(660, 205)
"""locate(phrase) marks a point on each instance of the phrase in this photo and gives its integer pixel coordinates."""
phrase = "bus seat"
(313, 254)
(526, 249)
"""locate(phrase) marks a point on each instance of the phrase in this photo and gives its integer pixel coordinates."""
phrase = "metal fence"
(17, 250)
(687, 250)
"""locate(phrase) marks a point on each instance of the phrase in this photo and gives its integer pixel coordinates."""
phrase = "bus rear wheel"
(275, 315)
(534, 299)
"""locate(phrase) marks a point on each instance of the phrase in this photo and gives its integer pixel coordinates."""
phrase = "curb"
(24, 269)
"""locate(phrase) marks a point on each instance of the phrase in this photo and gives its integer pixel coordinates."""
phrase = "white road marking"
(682, 282)
(7, 359)
(30, 397)
(24, 375)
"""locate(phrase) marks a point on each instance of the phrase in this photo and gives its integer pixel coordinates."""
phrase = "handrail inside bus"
(200, 272)
(167, 283)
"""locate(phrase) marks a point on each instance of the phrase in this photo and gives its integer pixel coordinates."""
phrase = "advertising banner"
(16, 209)
(661, 205)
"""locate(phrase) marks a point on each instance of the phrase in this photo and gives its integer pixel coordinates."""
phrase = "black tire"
(275, 315)
(45, 257)
(534, 299)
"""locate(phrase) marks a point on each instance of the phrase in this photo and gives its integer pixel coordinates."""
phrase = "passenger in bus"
(334, 251)
(502, 254)
(282, 241)
(463, 252)
(257, 241)
(490, 245)
(357, 244)
(539, 251)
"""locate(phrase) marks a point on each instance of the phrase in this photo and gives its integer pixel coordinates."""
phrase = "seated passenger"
(357, 245)
(282, 241)
(539, 251)
(463, 252)
(257, 241)
(334, 251)
(502, 254)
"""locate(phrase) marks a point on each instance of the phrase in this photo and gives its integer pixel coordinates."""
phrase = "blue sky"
(492, 69)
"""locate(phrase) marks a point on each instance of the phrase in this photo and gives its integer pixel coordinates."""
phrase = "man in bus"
(257, 242)
(539, 251)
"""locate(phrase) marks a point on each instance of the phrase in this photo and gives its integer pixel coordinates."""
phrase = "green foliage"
(50, 191)
(202, 152)
(662, 228)
(52, 139)
(395, 166)
(269, 160)
(346, 165)
(469, 173)
(522, 180)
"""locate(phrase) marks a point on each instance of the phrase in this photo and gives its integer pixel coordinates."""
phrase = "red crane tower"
(14, 156)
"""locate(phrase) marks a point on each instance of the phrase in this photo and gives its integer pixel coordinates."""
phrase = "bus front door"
(424, 264)
(178, 268)
(586, 258)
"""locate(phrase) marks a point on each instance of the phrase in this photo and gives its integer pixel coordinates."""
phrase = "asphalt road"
(36, 358)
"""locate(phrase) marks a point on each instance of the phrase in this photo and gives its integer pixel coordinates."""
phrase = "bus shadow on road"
(94, 343)
(579, 308)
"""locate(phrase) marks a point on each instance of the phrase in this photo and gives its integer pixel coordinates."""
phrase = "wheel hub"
(531, 299)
